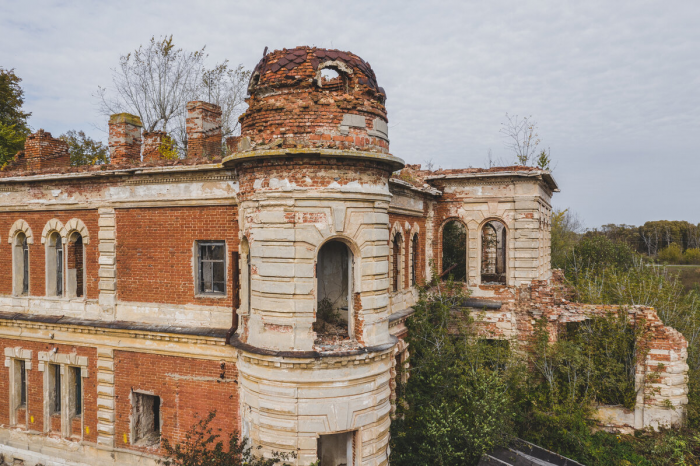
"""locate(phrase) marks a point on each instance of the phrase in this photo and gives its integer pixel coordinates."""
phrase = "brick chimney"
(203, 129)
(41, 150)
(151, 145)
(124, 138)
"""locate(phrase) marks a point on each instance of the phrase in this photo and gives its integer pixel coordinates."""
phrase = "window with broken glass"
(212, 267)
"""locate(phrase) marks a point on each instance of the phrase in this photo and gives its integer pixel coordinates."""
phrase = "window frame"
(199, 269)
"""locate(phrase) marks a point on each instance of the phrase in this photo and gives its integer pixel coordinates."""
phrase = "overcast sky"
(614, 85)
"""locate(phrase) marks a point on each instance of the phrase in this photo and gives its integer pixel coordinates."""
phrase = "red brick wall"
(407, 236)
(188, 390)
(155, 248)
(35, 385)
(37, 251)
(320, 171)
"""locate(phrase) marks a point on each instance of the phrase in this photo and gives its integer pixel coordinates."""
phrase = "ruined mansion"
(140, 294)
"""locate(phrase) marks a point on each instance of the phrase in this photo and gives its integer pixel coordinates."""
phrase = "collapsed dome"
(314, 98)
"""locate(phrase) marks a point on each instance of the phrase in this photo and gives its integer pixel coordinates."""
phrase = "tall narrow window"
(54, 266)
(25, 263)
(334, 290)
(212, 267)
(76, 391)
(414, 260)
(20, 265)
(75, 263)
(55, 398)
(493, 253)
(454, 251)
(23, 383)
(396, 263)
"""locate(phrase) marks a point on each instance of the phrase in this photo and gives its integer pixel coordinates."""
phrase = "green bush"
(692, 256)
(671, 254)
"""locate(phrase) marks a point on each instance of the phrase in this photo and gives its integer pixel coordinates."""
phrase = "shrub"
(671, 254)
(692, 256)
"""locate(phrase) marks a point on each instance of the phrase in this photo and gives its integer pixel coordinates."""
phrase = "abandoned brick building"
(140, 294)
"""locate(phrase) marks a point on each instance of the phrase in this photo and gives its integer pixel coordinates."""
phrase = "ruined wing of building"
(268, 277)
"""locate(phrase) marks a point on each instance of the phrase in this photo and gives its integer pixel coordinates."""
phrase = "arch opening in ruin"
(75, 266)
(454, 251)
(334, 277)
(20, 264)
(54, 265)
(493, 253)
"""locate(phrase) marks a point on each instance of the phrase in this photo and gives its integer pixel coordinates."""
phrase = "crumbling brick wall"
(156, 252)
(37, 251)
(188, 389)
(35, 385)
(292, 106)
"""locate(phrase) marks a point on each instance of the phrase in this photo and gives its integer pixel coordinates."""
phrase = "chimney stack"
(203, 129)
(124, 139)
(41, 150)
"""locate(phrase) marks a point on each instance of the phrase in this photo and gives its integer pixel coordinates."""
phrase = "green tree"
(13, 121)
(692, 256)
(456, 404)
(672, 254)
(565, 233)
(84, 150)
(203, 447)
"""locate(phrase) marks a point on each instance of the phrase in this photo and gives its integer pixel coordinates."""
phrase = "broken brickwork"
(43, 151)
(124, 139)
(292, 105)
(203, 130)
(152, 143)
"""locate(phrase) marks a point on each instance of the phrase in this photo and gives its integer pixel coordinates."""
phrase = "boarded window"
(55, 389)
(75, 264)
(212, 267)
(454, 251)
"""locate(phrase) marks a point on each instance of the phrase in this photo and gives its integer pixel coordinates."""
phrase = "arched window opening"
(414, 260)
(20, 265)
(454, 251)
(75, 265)
(396, 282)
(334, 292)
(493, 253)
(54, 265)
(332, 78)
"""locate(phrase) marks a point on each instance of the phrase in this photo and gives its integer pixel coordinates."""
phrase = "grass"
(689, 275)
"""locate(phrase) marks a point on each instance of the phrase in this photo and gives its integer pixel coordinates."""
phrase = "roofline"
(545, 175)
(115, 172)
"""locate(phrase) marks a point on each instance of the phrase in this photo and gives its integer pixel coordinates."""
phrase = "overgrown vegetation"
(203, 446)
(461, 386)
(84, 150)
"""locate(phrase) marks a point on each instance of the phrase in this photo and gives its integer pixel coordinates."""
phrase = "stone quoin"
(140, 294)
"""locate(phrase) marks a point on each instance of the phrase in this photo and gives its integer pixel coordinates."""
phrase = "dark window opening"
(336, 449)
(146, 419)
(78, 266)
(454, 251)
(414, 260)
(334, 291)
(54, 266)
(396, 263)
(77, 391)
(212, 267)
(23, 384)
(493, 253)
(55, 392)
(75, 265)
(25, 264)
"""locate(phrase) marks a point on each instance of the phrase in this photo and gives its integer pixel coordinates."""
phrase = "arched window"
(414, 260)
(334, 290)
(54, 265)
(493, 253)
(454, 251)
(396, 265)
(20, 265)
(75, 265)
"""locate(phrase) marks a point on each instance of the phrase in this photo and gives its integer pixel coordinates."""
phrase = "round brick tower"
(314, 346)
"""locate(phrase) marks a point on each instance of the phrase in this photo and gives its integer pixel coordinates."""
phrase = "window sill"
(210, 295)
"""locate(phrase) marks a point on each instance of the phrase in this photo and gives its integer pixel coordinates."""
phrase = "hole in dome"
(328, 74)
